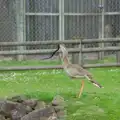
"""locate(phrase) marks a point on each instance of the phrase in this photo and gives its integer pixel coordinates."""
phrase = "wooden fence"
(79, 50)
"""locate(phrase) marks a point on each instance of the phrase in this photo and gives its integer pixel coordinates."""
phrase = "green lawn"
(107, 59)
(5, 63)
(94, 104)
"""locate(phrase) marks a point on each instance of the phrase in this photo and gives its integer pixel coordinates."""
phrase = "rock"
(2, 117)
(28, 109)
(18, 98)
(18, 112)
(8, 119)
(6, 107)
(58, 108)
(32, 103)
(40, 105)
(16, 115)
(21, 108)
(53, 117)
(61, 114)
(39, 114)
(58, 100)
(58, 103)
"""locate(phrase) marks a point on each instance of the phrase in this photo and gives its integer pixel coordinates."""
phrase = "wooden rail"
(19, 68)
(54, 42)
(70, 50)
(48, 51)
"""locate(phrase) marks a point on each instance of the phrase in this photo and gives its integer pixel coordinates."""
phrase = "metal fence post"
(61, 20)
(101, 27)
(20, 17)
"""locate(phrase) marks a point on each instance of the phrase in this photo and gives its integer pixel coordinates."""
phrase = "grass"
(7, 63)
(110, 59)
(94, 104)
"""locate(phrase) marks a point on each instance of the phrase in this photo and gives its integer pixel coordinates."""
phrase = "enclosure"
(30, 30)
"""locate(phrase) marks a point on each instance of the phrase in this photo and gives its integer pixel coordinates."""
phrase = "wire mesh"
(7, 23)
(42, 28)
(49, 6)
(81, 27)
(81, 6)
(41, 21)
(112, 5)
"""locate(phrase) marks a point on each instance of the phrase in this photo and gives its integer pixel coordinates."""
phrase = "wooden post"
(77, 57)
(80, 54)
(20, 17)
(108, 34)
(118, 53)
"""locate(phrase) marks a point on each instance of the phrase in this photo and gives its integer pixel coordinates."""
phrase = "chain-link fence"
(7, 22)
(46, 20)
